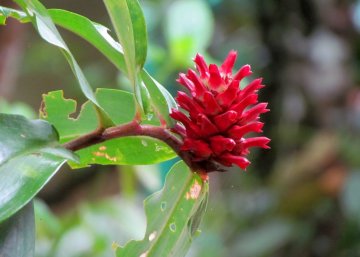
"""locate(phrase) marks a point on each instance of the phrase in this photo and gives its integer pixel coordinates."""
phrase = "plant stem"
(135, 128)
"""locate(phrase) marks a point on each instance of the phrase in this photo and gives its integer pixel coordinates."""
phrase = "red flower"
(219, 113)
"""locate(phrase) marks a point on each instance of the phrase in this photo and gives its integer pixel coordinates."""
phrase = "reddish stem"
(133, 128)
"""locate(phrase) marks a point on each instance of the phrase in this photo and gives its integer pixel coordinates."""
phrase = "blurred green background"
(300, 199)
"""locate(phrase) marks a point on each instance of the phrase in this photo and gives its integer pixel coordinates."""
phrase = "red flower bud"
(200, 149)
(226, 120)
(220, 144)
(219, 115)
(201, 66)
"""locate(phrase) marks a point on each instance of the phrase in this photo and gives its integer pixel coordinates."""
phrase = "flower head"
(219, 115)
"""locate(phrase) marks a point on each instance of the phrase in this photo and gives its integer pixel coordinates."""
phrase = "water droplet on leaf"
(144, 254)
(158, 148)
(172, 227)
(152, 236)
(197, 232)
(163, 206)
(149, 116)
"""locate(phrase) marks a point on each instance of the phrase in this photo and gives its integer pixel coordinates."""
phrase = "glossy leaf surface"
(97, 35)
(173, 216)
(161, 100)
(17, 234)
(29, 157)
(129, 23)
(125, 151)
(9, 12)
(120, 106)
(47, 30)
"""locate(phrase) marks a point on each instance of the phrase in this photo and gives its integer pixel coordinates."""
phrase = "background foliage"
(299, 199)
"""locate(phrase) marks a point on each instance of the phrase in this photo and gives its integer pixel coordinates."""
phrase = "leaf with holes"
(173, 216)
(97, 35)
(122, 151)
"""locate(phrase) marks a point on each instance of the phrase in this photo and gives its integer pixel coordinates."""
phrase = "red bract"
(219, 113)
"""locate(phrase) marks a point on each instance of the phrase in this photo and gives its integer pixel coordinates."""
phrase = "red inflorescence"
(220, 114)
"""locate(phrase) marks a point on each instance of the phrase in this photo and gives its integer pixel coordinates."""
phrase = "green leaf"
(17, 234)
(129, 23)
(29, 156)
(161, 99)
(97, 35)
(122, 151)
(125, 151)
(47, 30)
(8, 12)
(173, 216)
(57, 110)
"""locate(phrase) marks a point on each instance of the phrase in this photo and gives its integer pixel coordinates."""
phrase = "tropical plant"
(116, 127)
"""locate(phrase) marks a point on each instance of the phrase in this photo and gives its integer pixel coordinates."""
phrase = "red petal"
(252, 87)
(211, 107)
(201, 66)
(243, 72)
(240, 161)
(238, 132)
(227, 97)
(198, 147)
(254, 112)
(200, 89)
(189, 104)
(256, 142)
(241, 105)
(239, 149)
(229, 62)
(183, 80)
(225, 120)
(215, 80)
(191, 128)
(220, 144)
(178, 115)
(206, 126)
